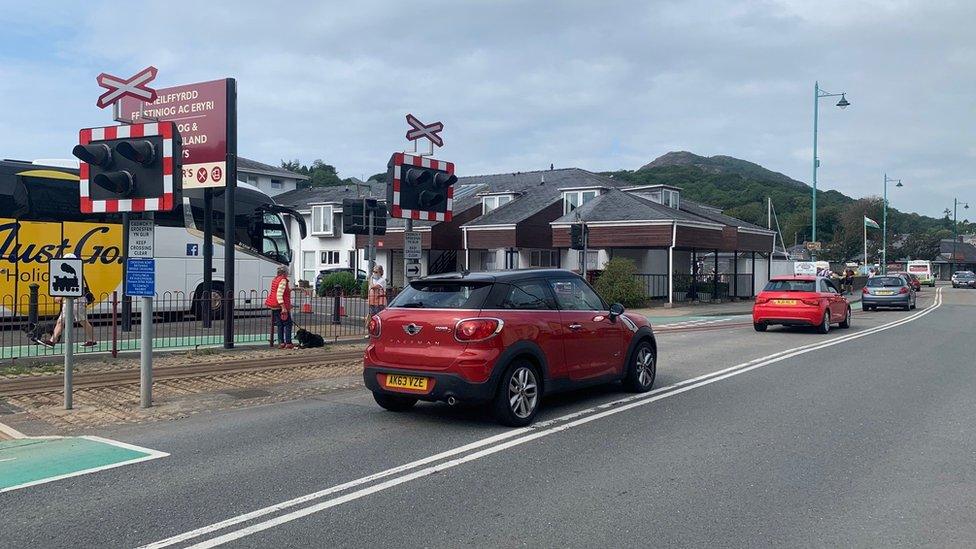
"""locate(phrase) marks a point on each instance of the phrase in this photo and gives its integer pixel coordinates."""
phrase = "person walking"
(376, 296)
(279, 301)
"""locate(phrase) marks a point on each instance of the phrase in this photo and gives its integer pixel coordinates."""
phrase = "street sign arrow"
(134, 87)
(420, 130)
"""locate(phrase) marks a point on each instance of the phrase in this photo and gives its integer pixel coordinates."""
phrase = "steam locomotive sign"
(66, 277)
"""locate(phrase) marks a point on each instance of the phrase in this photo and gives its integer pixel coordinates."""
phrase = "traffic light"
(420, 187)
(577, 236)
(130, 168)
(355, 216)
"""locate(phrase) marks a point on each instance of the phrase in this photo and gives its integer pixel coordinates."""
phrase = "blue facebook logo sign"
(192, 249)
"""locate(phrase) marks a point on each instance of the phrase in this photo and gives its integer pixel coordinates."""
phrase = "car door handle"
(575, 326)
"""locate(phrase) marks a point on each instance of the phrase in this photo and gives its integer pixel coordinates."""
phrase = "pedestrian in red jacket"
(279, 301)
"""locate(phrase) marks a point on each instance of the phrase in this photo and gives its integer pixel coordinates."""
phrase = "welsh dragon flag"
(868, 222)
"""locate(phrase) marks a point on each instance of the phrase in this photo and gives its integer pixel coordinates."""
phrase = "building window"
(488, 260)
(592, 259)
(544, 258)
(575, 199)
(490, 203)
(322, 220)
(247, 178)
(330, 257)
(277, 184)
(670, 198)
(308, 266)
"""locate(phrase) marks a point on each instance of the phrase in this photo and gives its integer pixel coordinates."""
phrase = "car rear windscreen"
(443, 295)
(886, 282)
(790, 286)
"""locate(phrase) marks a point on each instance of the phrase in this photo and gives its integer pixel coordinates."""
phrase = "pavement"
(860, 437)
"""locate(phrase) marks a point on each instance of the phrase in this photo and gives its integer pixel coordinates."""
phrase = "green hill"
(740, 188)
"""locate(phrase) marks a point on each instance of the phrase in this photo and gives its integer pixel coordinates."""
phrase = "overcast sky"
(599, 85)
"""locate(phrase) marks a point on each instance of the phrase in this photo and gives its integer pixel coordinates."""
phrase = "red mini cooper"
(504, 339)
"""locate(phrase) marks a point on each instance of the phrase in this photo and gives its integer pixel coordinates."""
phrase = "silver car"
(964, 279)
(888, 291)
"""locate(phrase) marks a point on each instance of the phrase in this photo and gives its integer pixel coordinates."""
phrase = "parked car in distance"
(505, 339)
(888, 291)
(912, 279)
(964, 279)
(801, 301)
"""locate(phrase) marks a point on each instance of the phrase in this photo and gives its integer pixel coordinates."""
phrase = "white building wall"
(569, 259)
(263, 182)
(307, 252)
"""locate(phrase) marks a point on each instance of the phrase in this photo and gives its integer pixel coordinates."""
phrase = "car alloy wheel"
(825, 326)
(523, 392)
(645, 367)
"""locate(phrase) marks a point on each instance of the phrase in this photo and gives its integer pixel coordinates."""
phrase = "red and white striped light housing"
(130, 168)
(420, 187)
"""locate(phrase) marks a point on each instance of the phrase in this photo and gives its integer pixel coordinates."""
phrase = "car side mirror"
(616, 310)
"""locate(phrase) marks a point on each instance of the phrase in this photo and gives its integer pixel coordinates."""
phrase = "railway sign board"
(134, 87)
(140, 277)
(412, 249)
(202, 115)
(141, 238)
(66, 278)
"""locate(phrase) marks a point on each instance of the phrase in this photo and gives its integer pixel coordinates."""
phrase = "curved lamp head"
(843, 103)
(899, 184)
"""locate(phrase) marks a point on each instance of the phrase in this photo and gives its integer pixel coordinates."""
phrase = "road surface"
(862, 437)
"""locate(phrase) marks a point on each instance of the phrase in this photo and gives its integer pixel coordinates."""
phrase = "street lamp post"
(843, 103)
(884, 223)
(955, 232)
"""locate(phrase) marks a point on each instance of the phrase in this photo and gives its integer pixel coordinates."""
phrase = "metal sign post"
(140, 281)
(66, 279)
(230, 221)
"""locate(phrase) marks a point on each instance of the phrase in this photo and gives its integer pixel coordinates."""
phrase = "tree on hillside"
(320, 173)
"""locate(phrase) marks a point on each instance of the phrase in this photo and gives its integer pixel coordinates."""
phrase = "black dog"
(307, 339)
(39, 331)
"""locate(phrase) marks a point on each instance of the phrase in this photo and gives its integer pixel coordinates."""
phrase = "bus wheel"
(216, 302)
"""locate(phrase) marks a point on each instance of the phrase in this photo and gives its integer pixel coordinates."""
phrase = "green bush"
(346, 280)
(618, 283)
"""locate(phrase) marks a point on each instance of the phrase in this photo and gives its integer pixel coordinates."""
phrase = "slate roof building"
(954, 256)
(273, 180)
(522, 220)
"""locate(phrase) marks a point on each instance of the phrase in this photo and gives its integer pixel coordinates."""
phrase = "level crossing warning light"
(420, 187)
(130, 168)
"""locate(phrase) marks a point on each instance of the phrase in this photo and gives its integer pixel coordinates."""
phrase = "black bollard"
(32, 305)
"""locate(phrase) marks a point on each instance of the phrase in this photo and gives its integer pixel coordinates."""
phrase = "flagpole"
(865, 223)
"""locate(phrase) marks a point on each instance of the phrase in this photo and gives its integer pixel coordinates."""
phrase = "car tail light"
(375, 326)
(760, 300)
(903, 290)
(864, 290)
(811, 301)
(477, 329)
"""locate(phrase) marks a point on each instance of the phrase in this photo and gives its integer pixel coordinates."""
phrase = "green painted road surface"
(29, 461)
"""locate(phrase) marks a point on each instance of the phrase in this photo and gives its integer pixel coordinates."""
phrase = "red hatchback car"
(504, 339)
(801, 301)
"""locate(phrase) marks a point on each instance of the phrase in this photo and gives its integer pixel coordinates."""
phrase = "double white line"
(491, 445)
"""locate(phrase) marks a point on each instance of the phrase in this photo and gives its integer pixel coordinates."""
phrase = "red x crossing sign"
(421, 130)
(134, 87)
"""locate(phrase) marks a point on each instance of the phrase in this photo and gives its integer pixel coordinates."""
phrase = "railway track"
(55, 383)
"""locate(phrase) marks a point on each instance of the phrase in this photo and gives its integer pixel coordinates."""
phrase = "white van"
(923, 270)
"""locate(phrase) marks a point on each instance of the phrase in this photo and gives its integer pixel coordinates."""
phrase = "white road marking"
(10, 431)
(540, 430)
(7, 459)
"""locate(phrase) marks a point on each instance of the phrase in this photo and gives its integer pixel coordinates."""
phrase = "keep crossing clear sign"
(411, 246)
(141, 238)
